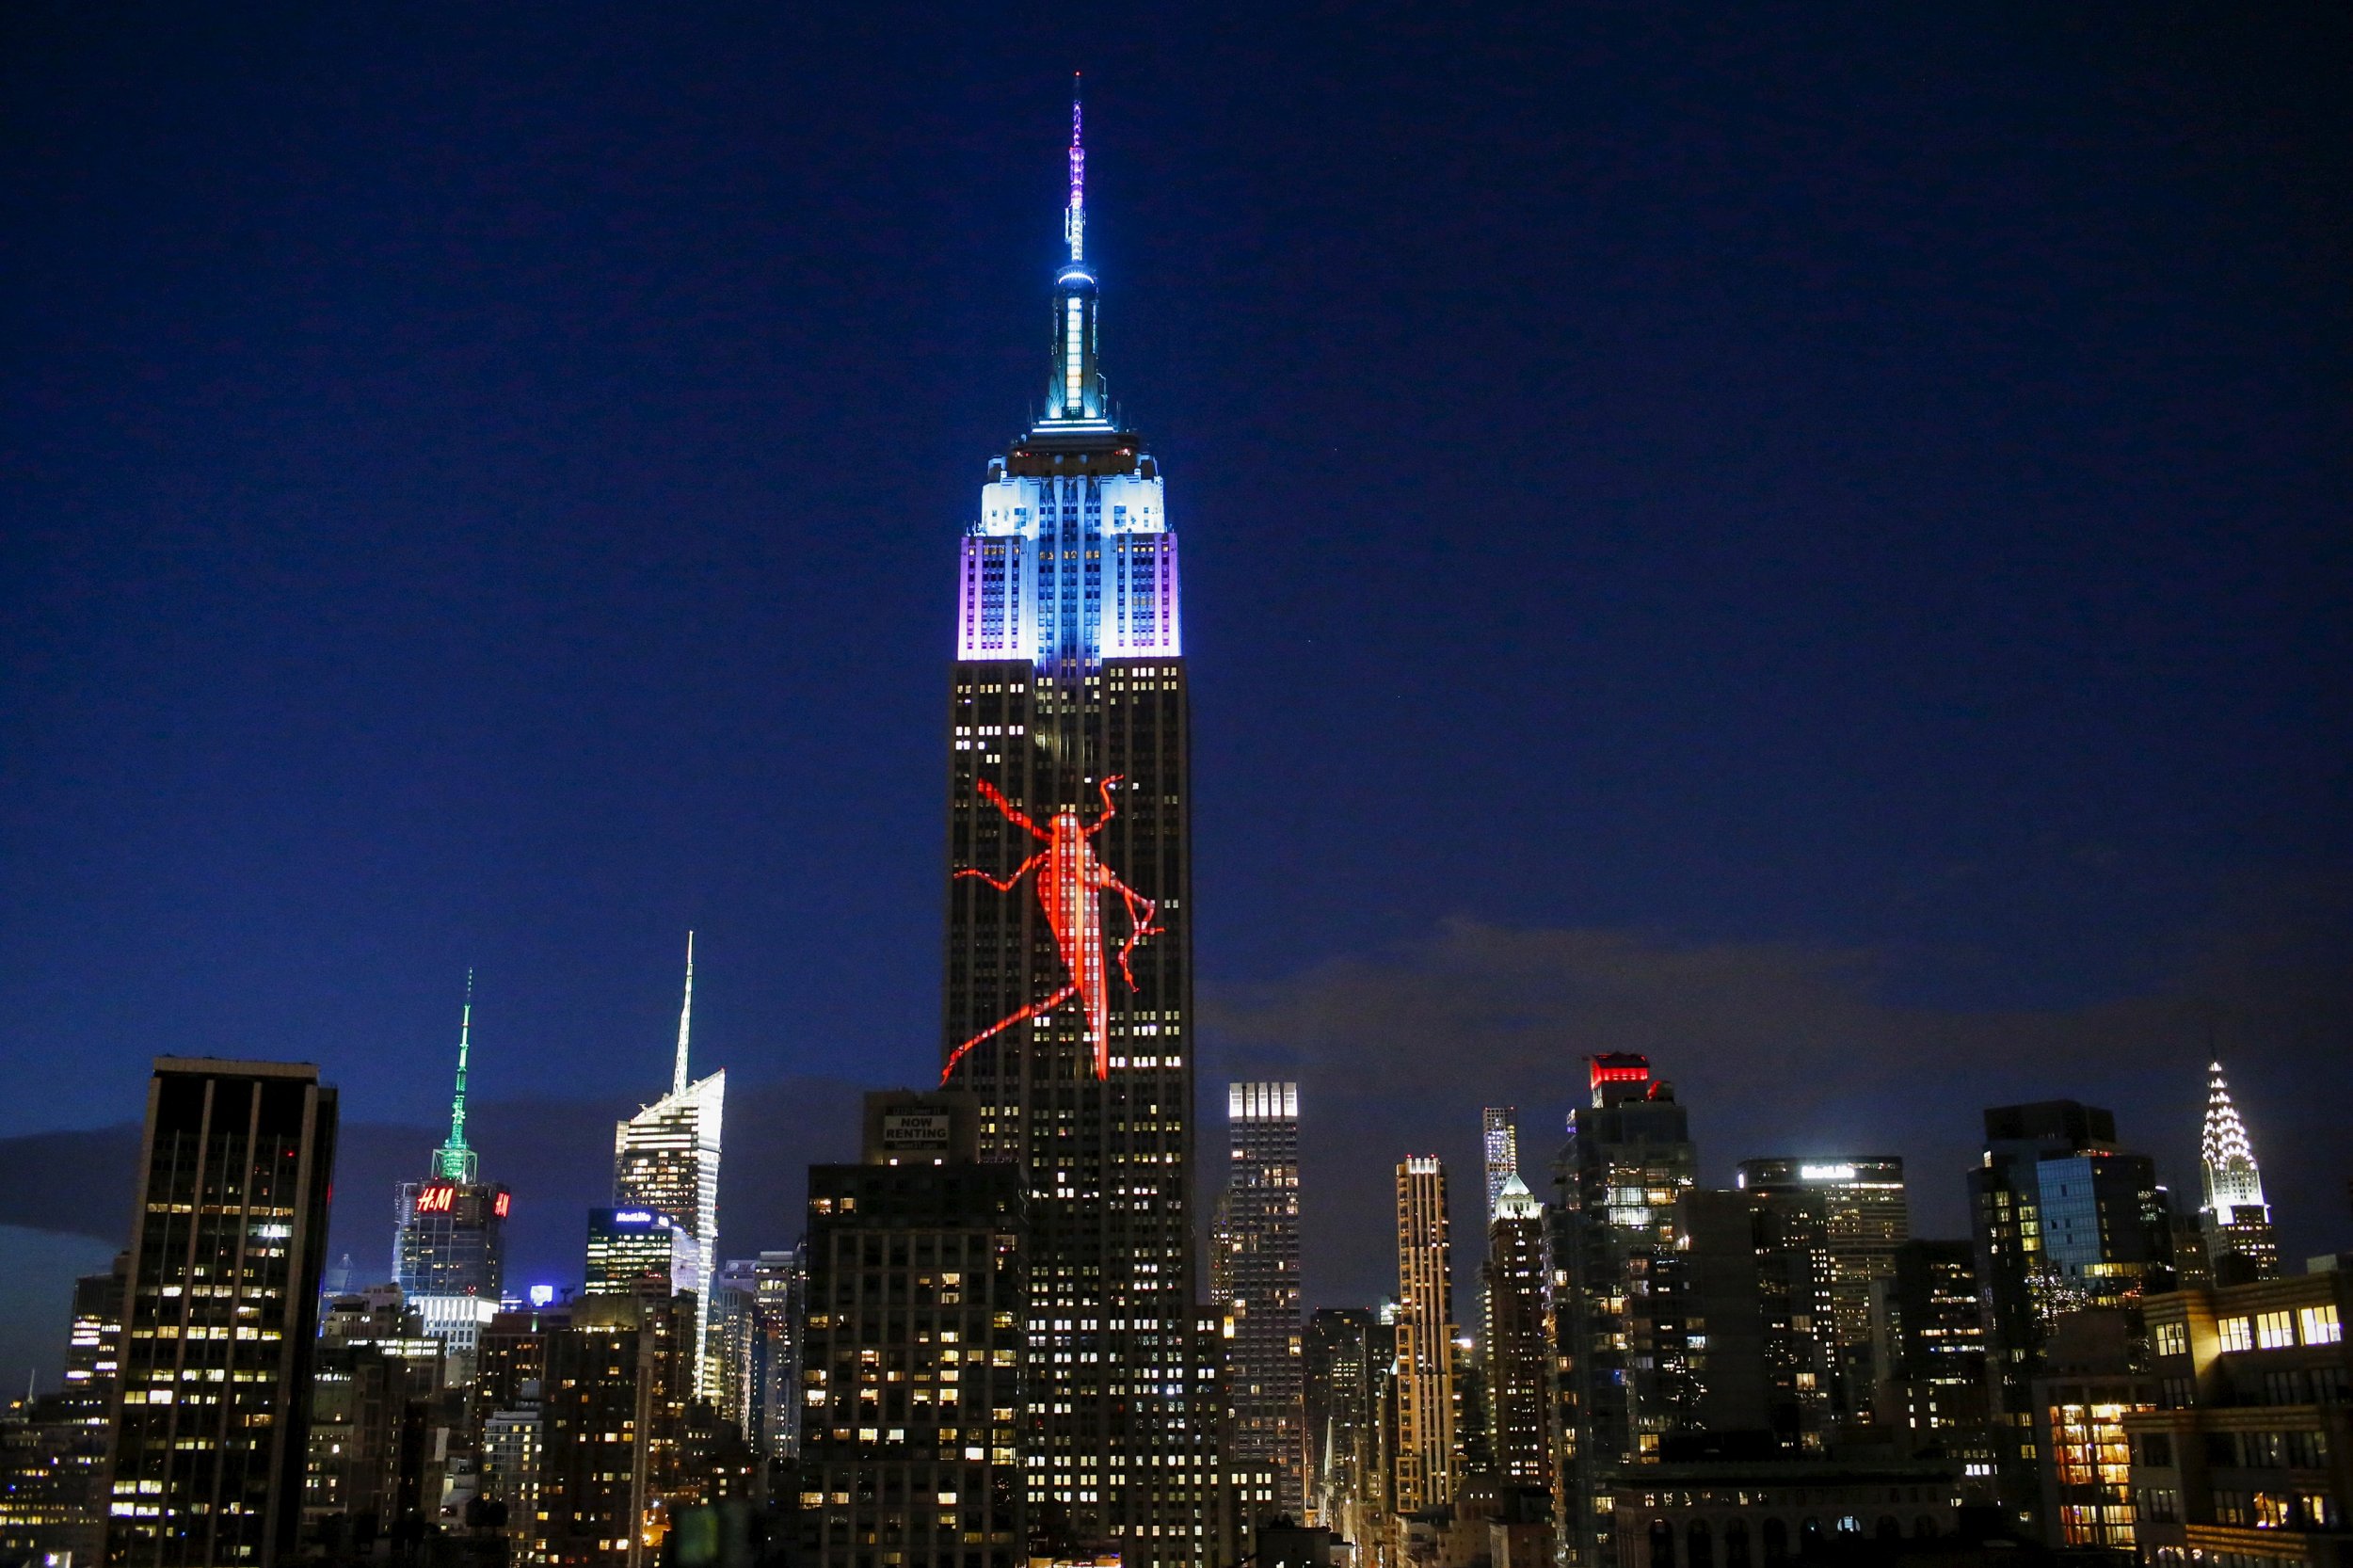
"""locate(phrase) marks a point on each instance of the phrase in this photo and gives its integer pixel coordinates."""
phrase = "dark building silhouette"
(2062, 1220)
(1629, 1158)
(221, 1313)
(1929, 1343)
(916, 1350)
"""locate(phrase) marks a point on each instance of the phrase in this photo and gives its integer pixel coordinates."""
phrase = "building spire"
(1074, 223)
(453, 1161)
(2233, 1182)
(685, 1019)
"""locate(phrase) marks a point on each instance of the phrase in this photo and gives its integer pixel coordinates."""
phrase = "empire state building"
(1069, 963)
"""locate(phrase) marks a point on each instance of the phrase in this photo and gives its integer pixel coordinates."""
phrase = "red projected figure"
(1070, 889)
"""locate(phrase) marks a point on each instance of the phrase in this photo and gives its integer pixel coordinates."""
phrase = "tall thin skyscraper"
(1070, 978)
(449, 1246)
(1499, 1142)
(1425, 1338)
(221, 1313)
(2234, 1220)
(667, 1159)
(1517, 1339)
(1263, 1371)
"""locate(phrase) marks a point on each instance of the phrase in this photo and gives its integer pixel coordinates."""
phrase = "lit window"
(2320, 1325)
(2274, 1329)
(2238, 1333)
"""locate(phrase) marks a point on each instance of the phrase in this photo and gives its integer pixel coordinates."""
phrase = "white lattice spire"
(2232, 1180)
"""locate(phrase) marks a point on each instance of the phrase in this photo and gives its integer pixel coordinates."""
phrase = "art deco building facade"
(1518, 1338)
(1425, 1339)
(1069, 979)
(667, 1159)
(2235, 1221)
(220, 1313)
(1262, 1359)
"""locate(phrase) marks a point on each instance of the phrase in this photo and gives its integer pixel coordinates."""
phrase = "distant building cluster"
(995, 1344)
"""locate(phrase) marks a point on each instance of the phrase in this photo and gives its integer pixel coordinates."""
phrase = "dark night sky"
(1812, 541)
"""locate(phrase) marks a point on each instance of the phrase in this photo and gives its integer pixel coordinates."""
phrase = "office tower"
(1733, 1311)
(667, 1159)
(619, 1371)
(221, 1312)
(1425, 1339)
(913, 1363)
(1338, 1383)
(1864, 1218)
(1928, 1341)
(1499, 1141)
(94, 1344)
(780, 1317)
(54, 1447)
(2060, 1220)
(1518, 1338)
(1628, 1160)
(631, 1251)
(2234, 1220)
(2243, 1458)
(1069, 977)
(1262, 1359)
(370, 1469)
(449, 1246)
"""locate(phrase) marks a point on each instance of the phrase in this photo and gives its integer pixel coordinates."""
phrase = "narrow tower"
(2235, 1221)
(665, 1159)
(1068, 1007)
(1263, 1371)
(448, 1247)
(1425, 1339)
(1500, 1140)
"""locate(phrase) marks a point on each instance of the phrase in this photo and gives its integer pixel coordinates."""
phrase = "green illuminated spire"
(453, 1161)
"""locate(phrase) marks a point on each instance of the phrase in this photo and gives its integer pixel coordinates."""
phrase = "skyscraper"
(2233, 1220)
(1930, 1352)
(1425, 1338)
(1517, 1339)
(2061, 1219)
(1864, 1218)
(1629, 1158)
(667, 1159)
(1069, 977)
(1263, 1372)
(1342, 1440)
(221, 1312)
(914, 1358)
(448, 1247)
(1499, 1142)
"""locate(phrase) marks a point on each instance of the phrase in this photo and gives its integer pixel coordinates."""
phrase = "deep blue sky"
(1856, 489)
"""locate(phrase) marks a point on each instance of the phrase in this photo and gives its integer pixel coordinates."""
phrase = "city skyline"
(322, 958)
